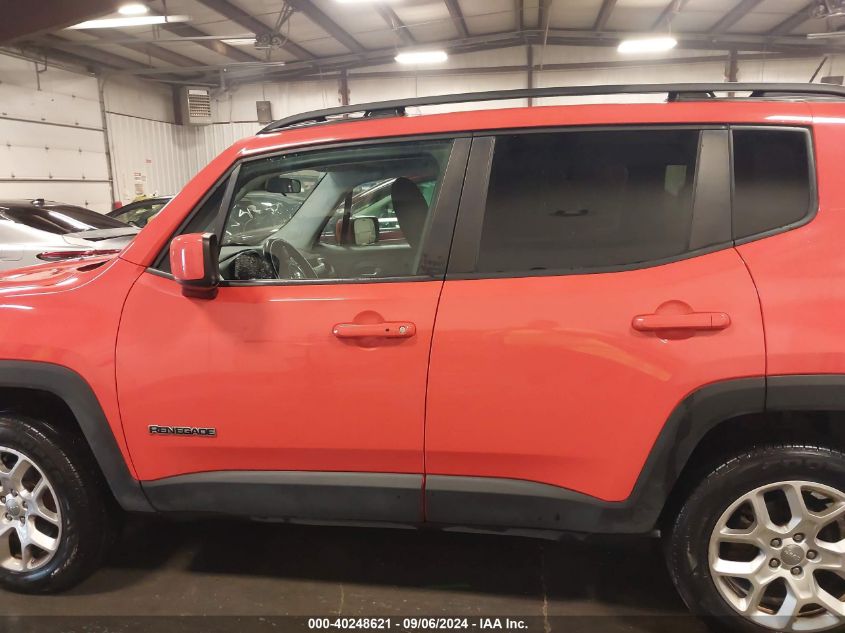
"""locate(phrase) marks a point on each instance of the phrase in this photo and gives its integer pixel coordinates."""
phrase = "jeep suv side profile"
(592, 318)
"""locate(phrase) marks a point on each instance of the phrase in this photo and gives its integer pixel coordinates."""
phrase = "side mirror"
(193, 262)
(280, 184)
(365, 230)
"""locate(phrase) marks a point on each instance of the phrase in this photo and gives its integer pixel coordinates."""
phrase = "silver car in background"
(38, 231)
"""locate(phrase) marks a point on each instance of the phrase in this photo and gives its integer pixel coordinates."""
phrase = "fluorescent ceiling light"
(648, 45)
(824, 36)
(357, 1)
(239, 41)
(133, 8)
(422, 57)
(117, 23)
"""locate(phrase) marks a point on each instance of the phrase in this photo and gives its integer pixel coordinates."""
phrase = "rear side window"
(772, 179)
(588, 200)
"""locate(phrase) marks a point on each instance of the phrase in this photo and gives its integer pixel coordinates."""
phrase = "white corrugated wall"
(51, 135)
(163, 155)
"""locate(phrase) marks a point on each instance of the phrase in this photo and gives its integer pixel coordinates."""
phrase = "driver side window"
(342, 214)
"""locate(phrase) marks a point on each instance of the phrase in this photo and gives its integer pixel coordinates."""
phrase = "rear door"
(593, 285)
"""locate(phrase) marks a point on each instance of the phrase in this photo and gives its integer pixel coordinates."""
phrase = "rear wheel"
(760, 544)
(56, 519)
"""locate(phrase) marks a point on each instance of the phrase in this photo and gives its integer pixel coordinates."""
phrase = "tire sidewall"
(690, 540)
(35, 442)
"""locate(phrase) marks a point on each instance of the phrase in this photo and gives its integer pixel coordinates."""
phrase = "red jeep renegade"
(590, 318)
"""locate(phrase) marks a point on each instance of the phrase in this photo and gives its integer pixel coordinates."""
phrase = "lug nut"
(774, 563)
(798, 538)
(776, 542)
(796, 571)
(812, 555)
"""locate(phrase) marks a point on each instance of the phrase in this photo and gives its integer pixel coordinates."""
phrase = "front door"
(299, 391)
(597, 287)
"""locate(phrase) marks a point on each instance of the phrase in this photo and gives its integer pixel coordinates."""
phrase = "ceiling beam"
(47, 15)
(389, 15)
(794, 21)
(145, 48)
(668, 14)
(310, 10)
(103, 58)
(378, 56)
(519, 8)
(221, 48)
(244, 19)
(545, 15)
(457, 17)
(597, 65)
(788, 45)
(605, 12)
(743, 8)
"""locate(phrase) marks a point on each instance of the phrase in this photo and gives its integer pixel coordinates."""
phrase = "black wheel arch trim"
(476, 501)
(488, 501)
(806, 392)
(77, 394)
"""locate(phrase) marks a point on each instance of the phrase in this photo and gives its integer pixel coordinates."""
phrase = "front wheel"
(760, 544)
(56, 519)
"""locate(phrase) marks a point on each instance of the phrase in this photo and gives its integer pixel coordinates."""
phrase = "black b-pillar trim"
(72, 388)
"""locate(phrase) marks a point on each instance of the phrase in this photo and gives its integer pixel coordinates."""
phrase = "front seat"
(411, 210)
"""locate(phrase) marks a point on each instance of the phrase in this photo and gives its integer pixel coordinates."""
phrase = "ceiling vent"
(195, 105)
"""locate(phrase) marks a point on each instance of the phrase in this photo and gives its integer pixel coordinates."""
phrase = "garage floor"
(224, 568)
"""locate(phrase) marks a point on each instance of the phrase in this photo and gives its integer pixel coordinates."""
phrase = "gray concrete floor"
(228, 568)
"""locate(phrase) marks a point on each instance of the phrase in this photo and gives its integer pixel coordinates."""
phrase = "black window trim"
(226, 180)
(813, 209)
(438, 241)
(467, 240)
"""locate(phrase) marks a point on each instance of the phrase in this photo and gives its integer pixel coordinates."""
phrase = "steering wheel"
(287, 262)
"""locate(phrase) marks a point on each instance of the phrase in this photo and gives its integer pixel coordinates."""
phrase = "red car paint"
(540, 379)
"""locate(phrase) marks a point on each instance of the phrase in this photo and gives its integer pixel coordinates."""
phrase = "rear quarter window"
(773, 179)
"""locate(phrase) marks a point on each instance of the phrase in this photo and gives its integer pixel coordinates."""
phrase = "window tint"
(772, 179)
(582, 200)
(339, 214)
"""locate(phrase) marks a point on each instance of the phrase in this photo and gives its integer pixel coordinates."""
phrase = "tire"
(775, 556)
(72, 515)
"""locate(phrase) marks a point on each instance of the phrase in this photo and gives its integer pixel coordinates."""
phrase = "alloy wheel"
(777, 556)
(30, 517)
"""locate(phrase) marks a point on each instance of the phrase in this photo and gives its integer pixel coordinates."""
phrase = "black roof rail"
(676, 92)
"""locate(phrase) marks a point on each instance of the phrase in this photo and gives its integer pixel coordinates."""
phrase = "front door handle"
(397, 329)
(702, 321)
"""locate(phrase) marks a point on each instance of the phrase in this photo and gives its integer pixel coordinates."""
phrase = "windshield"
(139, 216)
(259, 213)
(60, 220)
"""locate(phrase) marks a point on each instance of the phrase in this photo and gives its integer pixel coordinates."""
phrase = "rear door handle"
(397, 329)
(702, 321)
